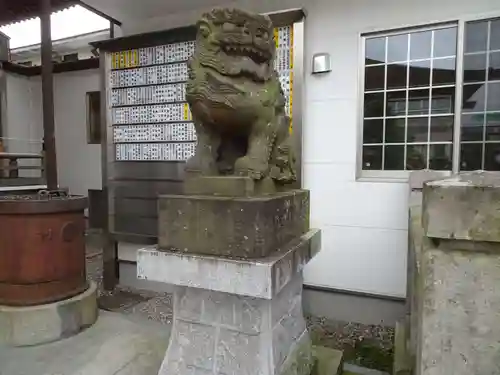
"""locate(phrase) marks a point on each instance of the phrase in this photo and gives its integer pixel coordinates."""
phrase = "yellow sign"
(187, 112)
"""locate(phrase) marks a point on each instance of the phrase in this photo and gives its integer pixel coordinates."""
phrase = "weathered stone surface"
(460, 330)
(237, 101)
(301, 360)
(226, 334)
(262, 278)
(34, 325)
(403, 364)
(463, 207)
(457, 301)
(229, 186)
(327, 361)
(232, 226)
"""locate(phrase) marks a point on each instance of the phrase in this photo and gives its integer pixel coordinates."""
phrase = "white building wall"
(23, 129)
(78, 163)
(364, 223)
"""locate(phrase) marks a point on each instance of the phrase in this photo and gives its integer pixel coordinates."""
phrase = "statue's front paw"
(252, 168)
(201, 164)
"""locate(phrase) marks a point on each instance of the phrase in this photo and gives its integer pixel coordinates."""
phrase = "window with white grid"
(412, 91)
(409, 96)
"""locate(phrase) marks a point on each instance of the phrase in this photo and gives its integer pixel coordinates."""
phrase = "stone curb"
(35, 325)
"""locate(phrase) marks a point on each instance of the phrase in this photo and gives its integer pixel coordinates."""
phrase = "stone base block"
(34, 325)
(218, 333)
(402, 358)
(241, 227)
(260, 278)
(236, 317)
(327, 361)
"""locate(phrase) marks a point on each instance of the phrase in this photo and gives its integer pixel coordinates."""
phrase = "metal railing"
(21, 168)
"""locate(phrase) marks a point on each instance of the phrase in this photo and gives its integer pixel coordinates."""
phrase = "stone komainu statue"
(237, 101)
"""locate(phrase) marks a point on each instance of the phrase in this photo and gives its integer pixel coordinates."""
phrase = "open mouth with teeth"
(257, 55)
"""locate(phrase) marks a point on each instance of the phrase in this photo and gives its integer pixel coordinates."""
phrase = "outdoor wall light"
(321, 63)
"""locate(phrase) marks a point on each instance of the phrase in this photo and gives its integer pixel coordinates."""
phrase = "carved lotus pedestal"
(236, 263)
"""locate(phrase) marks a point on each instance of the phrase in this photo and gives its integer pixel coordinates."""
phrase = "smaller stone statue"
(236, 100)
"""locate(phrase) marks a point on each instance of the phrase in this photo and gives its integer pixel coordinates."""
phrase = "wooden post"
(48, 97)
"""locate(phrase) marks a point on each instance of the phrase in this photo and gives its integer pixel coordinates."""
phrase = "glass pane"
(395, 130)
(418, 102)
(372, 157)
(442, 129)
(494, 70)
(471, 156)
(416, 157)
(475, 68)
(440, 157)
(493, 96)
(492, 157)
(374, 105)
(476, 36)
(445, 42)
(443, 100)
(472, 127)
(495, 35)
(420, 45)
(418, 129)
(397, 48)
(375, 77)
(420, 73)
(394, 158)
(493, 127)
(375, 51)
(443, 72)
(474, 98)
(396, 103)
(396, 76)
(373, 130)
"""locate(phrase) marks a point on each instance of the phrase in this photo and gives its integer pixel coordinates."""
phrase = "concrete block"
(402, 358)
(463, 207)
(460, 330)
(459, 276)
(227, 334)
(242, 227)
(34, 325)
(262, 278)
(327, 361)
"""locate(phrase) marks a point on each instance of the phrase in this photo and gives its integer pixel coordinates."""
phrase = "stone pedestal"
(459, 331)
(235, 226)
(236, 316)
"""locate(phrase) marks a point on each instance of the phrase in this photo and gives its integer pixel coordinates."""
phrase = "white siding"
(78, 163)
(24, 111)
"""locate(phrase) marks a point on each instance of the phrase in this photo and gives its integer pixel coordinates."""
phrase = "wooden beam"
(49, 140)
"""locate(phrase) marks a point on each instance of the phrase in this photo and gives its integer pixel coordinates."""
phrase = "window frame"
(460, 24)
(91, 139)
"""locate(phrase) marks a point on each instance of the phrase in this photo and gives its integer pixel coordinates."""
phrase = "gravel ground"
(370, 346)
